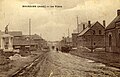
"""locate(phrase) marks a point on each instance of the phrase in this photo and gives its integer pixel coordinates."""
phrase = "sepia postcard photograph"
(59, 38)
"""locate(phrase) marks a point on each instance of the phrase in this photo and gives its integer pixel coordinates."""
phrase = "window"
(6, 46)
(119, 36)
(110, 40)
(93, 32)
(100, 32)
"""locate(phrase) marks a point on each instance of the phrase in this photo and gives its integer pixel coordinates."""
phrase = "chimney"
(118, 12)
(104, 24)
(83, 26)
(63, 38)
(89, 23)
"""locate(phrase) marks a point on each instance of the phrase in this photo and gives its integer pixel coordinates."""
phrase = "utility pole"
(29, 34)
(63, 34)
(68, 36)
(77, 25)
(29, 27)
(4, 18)
(91, 40)
(105, 37)
(68, 33)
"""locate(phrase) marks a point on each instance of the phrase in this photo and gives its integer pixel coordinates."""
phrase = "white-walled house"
(6, 42)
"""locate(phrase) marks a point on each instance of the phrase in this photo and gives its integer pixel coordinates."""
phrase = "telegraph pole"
(68, 36)
(29, 34)
(77, 25)
(68, 33)
(29, 27)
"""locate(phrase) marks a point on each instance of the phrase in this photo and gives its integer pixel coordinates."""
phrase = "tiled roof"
(112, 24)
(86, 29)
(35, 36)
(23, 42)
(68, 39)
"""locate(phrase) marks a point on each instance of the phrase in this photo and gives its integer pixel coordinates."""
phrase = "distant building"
(15, 34)
(6, 42)
(75, 33)
(68, 41)
(92, 35)
(24, 42)
(20, 43)
(37, 39)
(74, 39)
(113, 35)
(65, 41)
(16, 42)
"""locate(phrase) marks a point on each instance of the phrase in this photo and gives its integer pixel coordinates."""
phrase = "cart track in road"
(58, 64)
(31, 69)
(67, 65)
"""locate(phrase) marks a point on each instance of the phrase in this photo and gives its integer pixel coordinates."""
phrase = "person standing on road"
(57, 49)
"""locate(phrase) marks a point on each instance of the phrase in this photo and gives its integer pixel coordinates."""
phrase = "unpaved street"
(58, 64)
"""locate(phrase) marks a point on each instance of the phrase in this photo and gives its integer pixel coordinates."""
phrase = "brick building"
(113, 35)
(76, 32)
(23, 42)
(37, 39)
(66, 41)
(92, 35)
(74, 39)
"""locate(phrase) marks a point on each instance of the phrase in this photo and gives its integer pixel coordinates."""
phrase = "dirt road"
(58, 64)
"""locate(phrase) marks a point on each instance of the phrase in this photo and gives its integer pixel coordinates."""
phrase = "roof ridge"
(111, 24)
(88, 28)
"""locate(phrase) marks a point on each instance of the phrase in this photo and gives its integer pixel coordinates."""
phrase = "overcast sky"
(53, 23)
